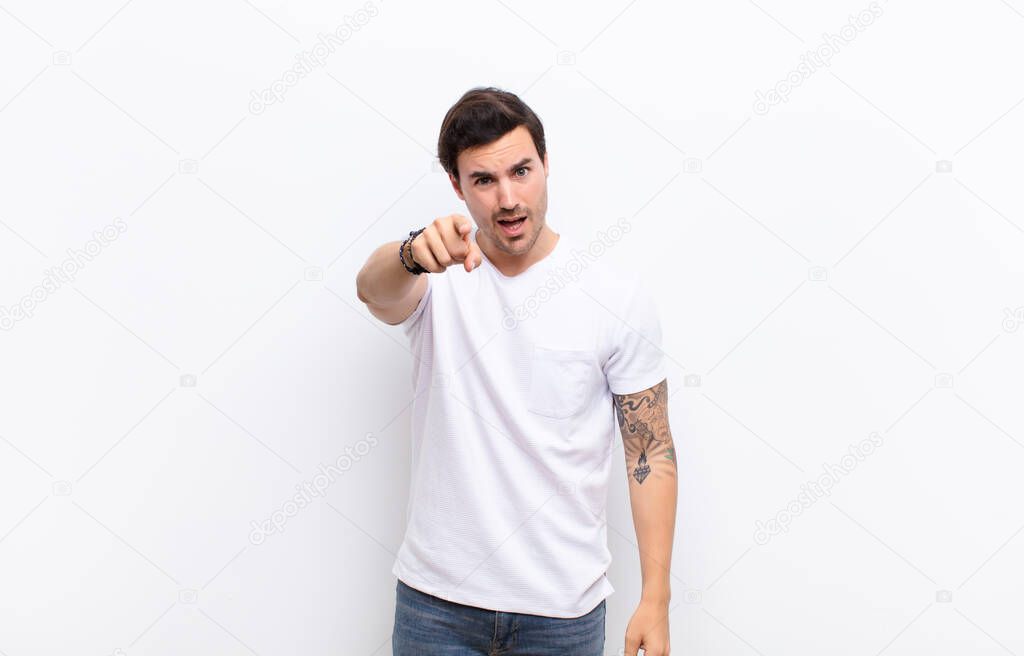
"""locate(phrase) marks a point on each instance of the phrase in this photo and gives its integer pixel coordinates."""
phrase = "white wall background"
(846, 263)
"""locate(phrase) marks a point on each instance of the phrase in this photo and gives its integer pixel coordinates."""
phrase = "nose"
(506, 199)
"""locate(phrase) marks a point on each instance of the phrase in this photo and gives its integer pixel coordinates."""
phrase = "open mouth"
(512, 226)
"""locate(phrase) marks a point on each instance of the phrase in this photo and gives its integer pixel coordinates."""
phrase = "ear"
(456, 187)
(546, 172)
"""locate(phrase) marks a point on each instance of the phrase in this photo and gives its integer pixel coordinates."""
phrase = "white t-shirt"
(513, 430)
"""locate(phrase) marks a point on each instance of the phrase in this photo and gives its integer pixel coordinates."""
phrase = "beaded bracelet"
(401, 255)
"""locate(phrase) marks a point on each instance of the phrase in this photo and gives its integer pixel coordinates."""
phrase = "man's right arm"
(390, 292)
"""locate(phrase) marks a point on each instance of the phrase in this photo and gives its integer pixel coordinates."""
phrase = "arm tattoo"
(646, 438)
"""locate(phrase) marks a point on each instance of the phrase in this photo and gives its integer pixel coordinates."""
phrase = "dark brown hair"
(481, 116)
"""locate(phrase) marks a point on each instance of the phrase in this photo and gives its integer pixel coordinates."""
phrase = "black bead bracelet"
(416, 269)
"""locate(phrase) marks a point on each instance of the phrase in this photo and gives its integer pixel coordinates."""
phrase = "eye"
(480, 180)
(523, 168)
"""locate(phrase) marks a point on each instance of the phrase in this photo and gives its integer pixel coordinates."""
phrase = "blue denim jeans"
(426, 625)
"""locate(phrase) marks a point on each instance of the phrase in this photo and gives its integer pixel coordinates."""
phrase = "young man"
(525, 359)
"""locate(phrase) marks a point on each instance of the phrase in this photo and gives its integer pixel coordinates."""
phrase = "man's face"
(505, 179)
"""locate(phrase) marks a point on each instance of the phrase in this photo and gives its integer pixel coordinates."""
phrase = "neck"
(513, 265)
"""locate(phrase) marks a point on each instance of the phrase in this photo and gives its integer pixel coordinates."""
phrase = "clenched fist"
(446, 242)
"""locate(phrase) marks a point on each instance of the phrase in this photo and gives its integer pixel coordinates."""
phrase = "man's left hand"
(648, 628)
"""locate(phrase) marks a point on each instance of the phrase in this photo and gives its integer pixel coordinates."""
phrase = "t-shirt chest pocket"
(561, 381)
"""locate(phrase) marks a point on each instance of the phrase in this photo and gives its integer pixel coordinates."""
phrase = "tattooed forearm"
(646, 438)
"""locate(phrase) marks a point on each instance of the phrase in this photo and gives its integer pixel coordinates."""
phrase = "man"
(519, 379)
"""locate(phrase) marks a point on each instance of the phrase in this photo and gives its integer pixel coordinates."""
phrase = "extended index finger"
(473, 256)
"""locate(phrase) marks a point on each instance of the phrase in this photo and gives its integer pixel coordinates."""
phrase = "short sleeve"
(412, 322)
(636, 361)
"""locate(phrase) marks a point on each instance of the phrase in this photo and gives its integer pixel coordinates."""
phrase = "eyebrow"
(488, 174)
